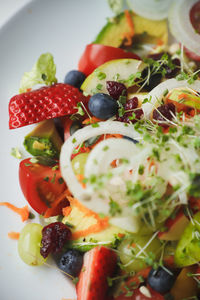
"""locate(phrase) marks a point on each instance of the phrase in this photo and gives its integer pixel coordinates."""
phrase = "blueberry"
(71, 262)
(102, 106)
(75, 78)
(160, 280)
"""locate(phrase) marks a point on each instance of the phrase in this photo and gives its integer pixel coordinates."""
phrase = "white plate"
(62, 27)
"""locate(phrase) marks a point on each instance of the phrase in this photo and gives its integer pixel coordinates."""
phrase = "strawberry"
(45, 103)
(99, 263)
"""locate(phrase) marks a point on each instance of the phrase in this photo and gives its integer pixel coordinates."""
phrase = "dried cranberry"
(116, 89)
(173, 72)
(127, 117)
(156, 56)
(131, 103)
(163, 113)
(54, 236)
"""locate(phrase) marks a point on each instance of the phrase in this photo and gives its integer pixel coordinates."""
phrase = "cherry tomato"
(96, 54)
(137, 295)
(191, 55)
(195, 16)
(41, 185)
(66, 123)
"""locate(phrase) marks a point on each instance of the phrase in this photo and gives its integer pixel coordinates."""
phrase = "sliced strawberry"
(45, 103)
(99, 263)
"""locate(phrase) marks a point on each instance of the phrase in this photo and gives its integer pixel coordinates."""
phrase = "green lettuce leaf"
(43, 72)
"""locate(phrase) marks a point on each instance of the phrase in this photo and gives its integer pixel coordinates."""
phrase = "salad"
(112, 165)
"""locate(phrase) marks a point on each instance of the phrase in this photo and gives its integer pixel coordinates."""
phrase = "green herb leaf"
(43, 72)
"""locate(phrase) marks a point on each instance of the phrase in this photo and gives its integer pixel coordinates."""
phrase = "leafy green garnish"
(116, 5)
(43, 72)
(16, 153)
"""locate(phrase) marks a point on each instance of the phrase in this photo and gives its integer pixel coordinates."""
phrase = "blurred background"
(8, 8)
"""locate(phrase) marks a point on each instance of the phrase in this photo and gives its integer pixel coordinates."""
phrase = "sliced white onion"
(108, 127)
(104, 153)
(181, 27)
(157, 93)
(129, 223)
(150, 9)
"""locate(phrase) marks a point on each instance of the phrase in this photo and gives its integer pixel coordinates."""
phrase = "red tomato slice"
(41, 185)
(66, 123)
(195, 16)
(137, 295)
(191, 55)
(95, 55)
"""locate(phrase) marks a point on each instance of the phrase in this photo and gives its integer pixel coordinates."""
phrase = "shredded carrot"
(160, 42)
(82, 208)
(49, 212)
(152, 164)
(98, 227)
(23, 212)
(101, 223)
(169, 261)
(188, 97)
(135, 280)
(129, 35)
(121, 235)
(66, 211)
(13, 235)
(80, 178)
(91, 121)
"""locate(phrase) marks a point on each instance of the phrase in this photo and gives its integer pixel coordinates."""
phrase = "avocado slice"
(186, 97)
(146, 31)
(44, 140)
(80, 219)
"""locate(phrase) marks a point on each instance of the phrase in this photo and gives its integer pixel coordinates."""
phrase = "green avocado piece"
(44, 140)
(110, 237)
(146, 31)
(79, 220)
(188, 249)
(185, 97)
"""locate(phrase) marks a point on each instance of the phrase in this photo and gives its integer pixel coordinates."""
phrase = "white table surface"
(9, 7)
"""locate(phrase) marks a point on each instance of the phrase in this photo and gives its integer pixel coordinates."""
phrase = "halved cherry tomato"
(41, 185)
(191, 55)
(195, 16)
(66, 123)
(95, 55)
(137, 295)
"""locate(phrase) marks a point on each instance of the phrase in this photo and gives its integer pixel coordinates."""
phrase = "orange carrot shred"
(91, 120)
(23, 212)
(101, 224)
(13, 235)
(80, 178)
(121, 235)
(49, 212)
(129, 35)
(66, 211)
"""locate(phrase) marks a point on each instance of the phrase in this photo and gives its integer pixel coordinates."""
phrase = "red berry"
(99, 264)
(131, 103)
(54, 237)
(132, 116)
(163, 113)
(44, 103)
(116, 89)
